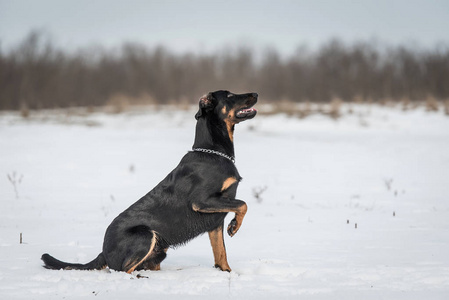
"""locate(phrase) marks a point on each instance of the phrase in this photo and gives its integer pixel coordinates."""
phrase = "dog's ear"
(207, 103)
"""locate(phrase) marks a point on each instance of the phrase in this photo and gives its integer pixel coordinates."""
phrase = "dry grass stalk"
(15, 180)
(446, 107)
(335, 108)
(432, 104)
(120, 102)
(24, 110)
(405, 104)
(305, 110)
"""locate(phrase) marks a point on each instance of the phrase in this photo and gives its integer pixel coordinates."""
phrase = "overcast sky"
(204, 26)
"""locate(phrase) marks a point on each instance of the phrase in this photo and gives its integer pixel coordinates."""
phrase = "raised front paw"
(233, 227)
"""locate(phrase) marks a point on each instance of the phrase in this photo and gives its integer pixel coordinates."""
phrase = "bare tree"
(36, 74)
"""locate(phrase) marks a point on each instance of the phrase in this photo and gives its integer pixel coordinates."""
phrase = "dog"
(193, 199)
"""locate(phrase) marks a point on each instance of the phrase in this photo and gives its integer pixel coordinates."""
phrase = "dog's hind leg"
(153, 263)
(136, 260)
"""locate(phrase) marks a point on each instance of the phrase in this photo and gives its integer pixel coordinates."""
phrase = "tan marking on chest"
(227, 183)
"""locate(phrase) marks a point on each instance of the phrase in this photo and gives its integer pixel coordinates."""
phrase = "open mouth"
(246, 113)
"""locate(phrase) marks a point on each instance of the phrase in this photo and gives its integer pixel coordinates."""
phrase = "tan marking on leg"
(153, 244)
(158, 267)
(239, 215)
(241, 210)
(130, 263)
(219, 250)
(195, 207)
(228, 182)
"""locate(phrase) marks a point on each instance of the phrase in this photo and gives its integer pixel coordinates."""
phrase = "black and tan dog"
(193, 199)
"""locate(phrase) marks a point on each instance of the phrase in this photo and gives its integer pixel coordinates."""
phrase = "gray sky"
(204, 26)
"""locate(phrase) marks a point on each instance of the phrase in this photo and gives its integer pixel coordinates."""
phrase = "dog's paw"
(233, 227)
(224, 268)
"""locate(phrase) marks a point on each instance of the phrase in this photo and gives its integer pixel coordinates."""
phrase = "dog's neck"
(213, 134)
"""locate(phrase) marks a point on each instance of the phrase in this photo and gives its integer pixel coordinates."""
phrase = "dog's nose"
(255, 95)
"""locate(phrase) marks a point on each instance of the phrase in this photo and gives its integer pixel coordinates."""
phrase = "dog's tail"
(55, 264)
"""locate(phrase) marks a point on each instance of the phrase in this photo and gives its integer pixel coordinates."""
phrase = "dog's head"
(224, 109)
(231, 108)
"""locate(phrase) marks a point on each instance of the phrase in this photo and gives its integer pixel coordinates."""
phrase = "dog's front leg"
(218, 247)
(235, 223)
(223, 204)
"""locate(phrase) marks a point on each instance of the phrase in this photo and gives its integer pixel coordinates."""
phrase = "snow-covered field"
(356, 208)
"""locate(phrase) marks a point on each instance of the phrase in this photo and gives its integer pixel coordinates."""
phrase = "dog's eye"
(230, 95)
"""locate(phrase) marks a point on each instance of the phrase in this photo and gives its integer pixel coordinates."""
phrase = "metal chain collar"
(231, 158)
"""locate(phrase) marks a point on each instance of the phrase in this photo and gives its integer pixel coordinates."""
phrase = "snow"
(354, 208)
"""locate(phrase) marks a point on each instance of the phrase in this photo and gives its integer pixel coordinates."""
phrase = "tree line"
(36, 74)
